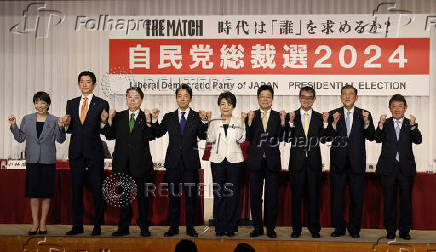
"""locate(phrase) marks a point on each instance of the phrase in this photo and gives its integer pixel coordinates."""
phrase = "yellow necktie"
(84, 110)
(264, 121)
(306, 125)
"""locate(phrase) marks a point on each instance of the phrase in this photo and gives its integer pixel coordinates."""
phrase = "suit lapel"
(176, 121)
(33, 126)
(297, 123)
(342, 120)
(312, 124)
(231, 129)
(140, 120)
(45, 128)
(258, 118)
(76, 105)
(356, 120)
(270, 124)
(189, 121)
(404, 125)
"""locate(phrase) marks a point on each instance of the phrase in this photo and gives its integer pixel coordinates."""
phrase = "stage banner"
(377, 54)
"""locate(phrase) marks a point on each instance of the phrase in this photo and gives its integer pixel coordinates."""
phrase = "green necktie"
(131, 122)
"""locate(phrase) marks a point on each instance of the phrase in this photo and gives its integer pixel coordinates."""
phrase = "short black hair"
(229, 97)
(137, 89)
(42, 96)
(186, 87)
(398, 97)
(87, 73)
(185, 245)
(348, 86)
(244, 247)
(265, 87)
(307, 89)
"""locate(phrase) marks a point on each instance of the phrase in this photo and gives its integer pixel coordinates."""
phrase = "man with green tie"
(132, 132)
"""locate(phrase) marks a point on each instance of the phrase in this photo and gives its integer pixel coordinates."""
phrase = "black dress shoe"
(337, 234)
(119, 233)
(315, 235)
(96, 230)
(145, 232)
(390, 236)
(271, 234)
(220, 234)
(75, 231)
(355, 235)
(230, 234)
(34, 232)
(172, 232)
(42, 232)
(405, 236)
(191, 232)
(295, 234)
(256, 233)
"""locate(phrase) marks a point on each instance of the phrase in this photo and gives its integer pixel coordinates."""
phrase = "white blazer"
(226, 146)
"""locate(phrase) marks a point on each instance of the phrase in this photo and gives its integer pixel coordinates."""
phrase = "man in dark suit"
(396, 165)
(305, 131)
(184, 127)
(85, 124)
(349, 126)
(131, 130)
(265, 130)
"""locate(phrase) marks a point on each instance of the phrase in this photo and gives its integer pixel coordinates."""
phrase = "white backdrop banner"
(378, 54)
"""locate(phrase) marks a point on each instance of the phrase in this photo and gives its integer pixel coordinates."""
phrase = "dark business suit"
(347, 165)
(85, 151)
(397, 173)
(267, 167)
(132, 156)
(305, 171)
(182, 160)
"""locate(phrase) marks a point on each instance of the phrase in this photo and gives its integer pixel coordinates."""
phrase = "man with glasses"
(349, 126)
(264, 129)
(305, 131)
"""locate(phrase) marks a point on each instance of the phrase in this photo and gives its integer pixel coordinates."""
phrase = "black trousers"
(126, 213)
(306, 180)
(181, 179)
(95, 180)
(338, 182)
(271, 178)
(390, 183)
(226, 195)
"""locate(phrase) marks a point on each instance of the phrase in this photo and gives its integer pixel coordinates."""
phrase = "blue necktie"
(347, 123)
(397, 132)
(182, 123)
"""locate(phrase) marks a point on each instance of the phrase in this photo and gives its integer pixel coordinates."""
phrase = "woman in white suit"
(40, 130)
(226, 134)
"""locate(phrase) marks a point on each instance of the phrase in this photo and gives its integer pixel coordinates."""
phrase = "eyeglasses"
(303, 97)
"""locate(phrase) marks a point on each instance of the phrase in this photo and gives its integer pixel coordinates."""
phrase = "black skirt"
(40, 179)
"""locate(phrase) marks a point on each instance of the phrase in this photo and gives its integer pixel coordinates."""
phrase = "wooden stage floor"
(15, 238)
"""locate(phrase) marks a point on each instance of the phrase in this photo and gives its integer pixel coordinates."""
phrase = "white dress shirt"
(395, 122)
(186, 113)
(82, 100)
(351, 116)
(136, 113)
(80, 108)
